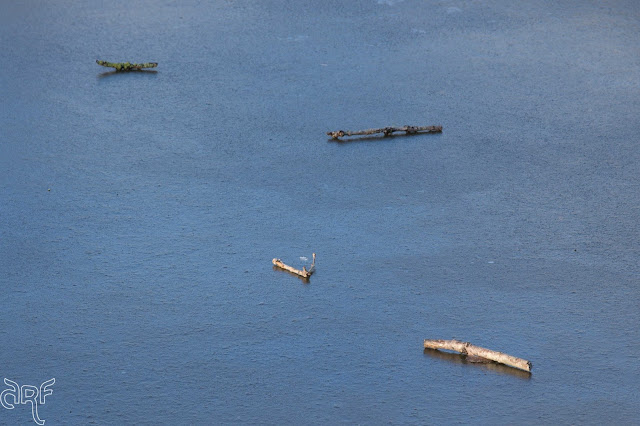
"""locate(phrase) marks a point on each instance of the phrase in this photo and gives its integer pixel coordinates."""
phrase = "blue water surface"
(139, 212)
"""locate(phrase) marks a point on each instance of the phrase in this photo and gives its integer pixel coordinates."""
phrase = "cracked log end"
(336, 135)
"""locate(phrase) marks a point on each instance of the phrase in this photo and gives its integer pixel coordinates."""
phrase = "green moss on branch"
(127, 66)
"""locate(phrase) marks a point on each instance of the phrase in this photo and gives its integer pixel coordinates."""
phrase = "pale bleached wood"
(304, 273)
(469, 349)
(386, 130)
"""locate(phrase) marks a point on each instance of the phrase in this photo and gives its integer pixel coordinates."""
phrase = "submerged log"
(387, 131)
(127, 66)
(304, 273)
(476, 351)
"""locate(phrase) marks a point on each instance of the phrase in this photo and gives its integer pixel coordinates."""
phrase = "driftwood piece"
(488, 365)
(387, 131)
(476, 351)
(304, 273)
(127, 66)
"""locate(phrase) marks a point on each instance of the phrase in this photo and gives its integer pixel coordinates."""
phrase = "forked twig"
(304, 273)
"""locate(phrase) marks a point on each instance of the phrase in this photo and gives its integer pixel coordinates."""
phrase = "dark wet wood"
(387, 131)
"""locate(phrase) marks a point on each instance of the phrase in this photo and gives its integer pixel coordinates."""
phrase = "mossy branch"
(127, 66)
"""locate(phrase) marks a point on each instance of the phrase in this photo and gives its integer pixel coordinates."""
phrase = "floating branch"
(387, 131)
(127, 66)
(304, 273)
(469, 349)
(487, 364)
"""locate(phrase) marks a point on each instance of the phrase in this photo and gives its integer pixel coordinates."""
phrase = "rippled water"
(140, 211)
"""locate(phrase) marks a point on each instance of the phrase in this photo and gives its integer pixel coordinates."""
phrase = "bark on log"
(469, 349)
(387, 131)
(127, 66)
(304, 273)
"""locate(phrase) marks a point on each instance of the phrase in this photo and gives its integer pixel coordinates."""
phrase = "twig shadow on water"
(304, 280)
(380, 138)
(139, 72)
(495, 367)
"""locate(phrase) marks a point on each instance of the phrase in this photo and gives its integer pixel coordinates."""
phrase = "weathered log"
(387, 131)
(469, 349)
(127, 66)
(458, 358)
(304, 273)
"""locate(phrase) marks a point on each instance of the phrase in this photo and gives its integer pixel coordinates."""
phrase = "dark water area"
(139, 212)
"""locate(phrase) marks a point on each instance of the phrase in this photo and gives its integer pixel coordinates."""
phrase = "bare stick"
(304, 273)
(127, 66)
(469, 349)
(387, 131)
